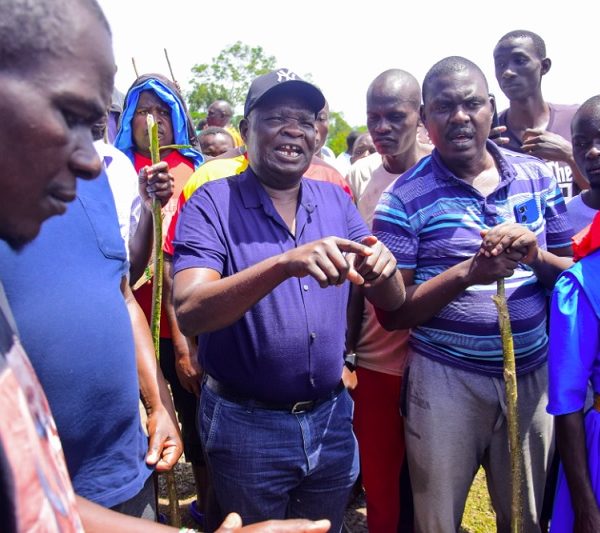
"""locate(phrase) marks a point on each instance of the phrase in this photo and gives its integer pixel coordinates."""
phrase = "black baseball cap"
(285, 81)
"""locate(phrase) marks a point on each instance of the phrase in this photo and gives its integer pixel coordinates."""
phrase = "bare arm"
(578, 176)
(206, 302)
(425, 300)
(97, 519)
(509, 236)
(165, 446)
(548, 266)
(552, 147)
(384, 286)
(188, 370)
(570, 438)
(153, 182)
(140, 245)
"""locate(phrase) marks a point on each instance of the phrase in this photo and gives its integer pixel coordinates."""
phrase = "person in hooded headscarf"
(156, 95)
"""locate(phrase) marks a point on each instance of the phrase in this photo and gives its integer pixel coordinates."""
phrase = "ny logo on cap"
(285, 75)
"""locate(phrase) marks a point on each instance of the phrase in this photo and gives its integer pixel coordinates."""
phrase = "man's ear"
(546, 64)
(492, 99)
(244, 129)
(422, 114)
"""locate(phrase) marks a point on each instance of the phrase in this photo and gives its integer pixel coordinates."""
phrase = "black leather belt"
(293, 407)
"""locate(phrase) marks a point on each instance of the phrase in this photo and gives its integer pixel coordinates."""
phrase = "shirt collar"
(506, 170)
(254, 195)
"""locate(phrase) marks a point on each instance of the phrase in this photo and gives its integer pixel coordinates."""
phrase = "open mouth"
(290, 151)
(461, 136)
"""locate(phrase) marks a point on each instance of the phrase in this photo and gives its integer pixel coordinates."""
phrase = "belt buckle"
(302, 407)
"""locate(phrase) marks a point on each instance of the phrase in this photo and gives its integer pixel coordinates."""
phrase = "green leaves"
(228, 76)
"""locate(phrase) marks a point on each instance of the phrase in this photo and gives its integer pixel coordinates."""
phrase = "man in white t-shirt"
(393, 101)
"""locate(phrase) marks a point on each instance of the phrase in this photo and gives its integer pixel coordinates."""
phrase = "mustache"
(459, 132)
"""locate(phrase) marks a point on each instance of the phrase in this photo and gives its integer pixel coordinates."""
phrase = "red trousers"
(379, 429)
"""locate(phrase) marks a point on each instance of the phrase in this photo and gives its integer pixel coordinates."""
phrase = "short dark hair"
(31, 30)
(227, 109)
(399, 80)
(447, 66)
(590, 106)
(214, 130)
(538, 43)
(351, 139)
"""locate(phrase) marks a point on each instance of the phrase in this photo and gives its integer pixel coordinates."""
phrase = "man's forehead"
(81, 74)
(458, 79)
(395, 100)
(150, 98)
(514, 44)
(215, 137)
(587, 119)
(286, 102)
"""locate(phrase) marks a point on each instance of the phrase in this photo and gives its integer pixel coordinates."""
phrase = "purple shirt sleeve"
(199, 241)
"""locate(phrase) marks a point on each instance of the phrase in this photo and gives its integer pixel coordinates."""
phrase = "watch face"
(350, 360)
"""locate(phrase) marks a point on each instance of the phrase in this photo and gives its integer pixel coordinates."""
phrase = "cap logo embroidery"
(285, 75)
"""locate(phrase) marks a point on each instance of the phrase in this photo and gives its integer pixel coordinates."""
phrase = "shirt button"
(305, 287)
(313, 335)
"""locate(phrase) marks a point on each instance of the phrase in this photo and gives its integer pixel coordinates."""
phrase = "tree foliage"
(338, 131)
(227, 76)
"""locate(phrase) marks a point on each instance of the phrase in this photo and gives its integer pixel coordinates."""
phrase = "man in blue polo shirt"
(260, 263)
(433, 219)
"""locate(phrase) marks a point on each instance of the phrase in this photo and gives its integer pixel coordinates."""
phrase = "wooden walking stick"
(512, 414)
(171, 71)
(170, 68)
(157, 282)
(135, 67)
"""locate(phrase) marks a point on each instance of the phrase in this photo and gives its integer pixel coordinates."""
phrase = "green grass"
(479, 517)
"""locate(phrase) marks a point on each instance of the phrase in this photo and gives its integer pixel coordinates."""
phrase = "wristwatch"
(350, 360)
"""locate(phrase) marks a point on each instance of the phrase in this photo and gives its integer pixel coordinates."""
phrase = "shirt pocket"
(99, 206)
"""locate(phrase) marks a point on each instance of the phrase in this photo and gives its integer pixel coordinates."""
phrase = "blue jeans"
(273, 464)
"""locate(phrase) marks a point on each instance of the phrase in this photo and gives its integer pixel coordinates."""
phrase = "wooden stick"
(157, 282)
(135, 68)
(512, 413)
(170, 68)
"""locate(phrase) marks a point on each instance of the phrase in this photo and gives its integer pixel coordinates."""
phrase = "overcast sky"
(345, 44)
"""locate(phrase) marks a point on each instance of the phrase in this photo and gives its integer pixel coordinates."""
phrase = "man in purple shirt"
(260, 264)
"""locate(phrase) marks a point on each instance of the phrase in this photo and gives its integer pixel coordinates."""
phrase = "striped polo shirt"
(431, 220)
